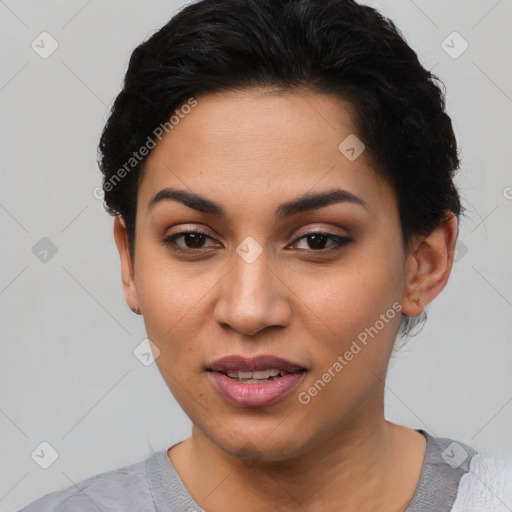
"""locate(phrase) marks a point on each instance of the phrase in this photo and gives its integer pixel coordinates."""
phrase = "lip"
(253, 363)
(254, 395)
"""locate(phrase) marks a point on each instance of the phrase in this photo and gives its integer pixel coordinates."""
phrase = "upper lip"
(252, 363)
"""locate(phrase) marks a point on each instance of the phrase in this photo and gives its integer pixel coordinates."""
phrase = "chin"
(259, 447)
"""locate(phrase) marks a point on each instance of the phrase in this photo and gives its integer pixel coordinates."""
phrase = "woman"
(281, 176)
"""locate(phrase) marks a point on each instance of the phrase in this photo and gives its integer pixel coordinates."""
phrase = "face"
(237, 266)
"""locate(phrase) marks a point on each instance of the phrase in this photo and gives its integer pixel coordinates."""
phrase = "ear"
(429, 263)
(127, 273)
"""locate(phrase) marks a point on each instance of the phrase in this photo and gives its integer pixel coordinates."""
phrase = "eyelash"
(339, 241)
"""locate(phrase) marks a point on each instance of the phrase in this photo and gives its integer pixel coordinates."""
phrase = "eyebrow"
(306, 202)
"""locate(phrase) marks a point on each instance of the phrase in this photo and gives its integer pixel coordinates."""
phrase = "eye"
(192, 240)
(195, 240)
(318, 239)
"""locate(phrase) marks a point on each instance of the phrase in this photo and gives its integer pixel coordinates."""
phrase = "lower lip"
(254, 395)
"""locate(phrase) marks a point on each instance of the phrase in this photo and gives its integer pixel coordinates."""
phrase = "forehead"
(258, 145)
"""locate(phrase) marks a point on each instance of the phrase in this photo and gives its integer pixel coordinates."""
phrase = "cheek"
(360, 313)
(351, 296)
(173, 302)
(358, 304)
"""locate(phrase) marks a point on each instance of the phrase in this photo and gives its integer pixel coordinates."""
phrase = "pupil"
(317, 241)
(194, 238)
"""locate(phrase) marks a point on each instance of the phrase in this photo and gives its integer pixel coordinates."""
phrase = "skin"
(249, 151)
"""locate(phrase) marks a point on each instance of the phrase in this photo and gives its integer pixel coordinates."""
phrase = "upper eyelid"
(324, 231)
(297, 238)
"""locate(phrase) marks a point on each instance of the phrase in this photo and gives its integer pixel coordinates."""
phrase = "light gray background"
(68, 374)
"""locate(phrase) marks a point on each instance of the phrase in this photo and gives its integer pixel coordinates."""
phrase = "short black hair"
(326, 46)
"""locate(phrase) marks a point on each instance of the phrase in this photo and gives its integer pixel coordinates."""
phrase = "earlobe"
(429, 264)
(127, 269)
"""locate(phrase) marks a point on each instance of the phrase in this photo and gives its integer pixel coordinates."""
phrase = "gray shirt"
(154, 485)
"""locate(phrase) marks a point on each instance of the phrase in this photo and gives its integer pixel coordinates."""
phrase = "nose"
(252, 298)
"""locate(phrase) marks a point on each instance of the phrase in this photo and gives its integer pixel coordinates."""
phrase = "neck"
(367, 465)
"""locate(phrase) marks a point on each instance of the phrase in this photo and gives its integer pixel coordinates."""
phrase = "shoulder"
(122, 489)
(446, 461)
(487, 487)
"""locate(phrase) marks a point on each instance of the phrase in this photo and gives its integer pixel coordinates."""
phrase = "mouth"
(254, 381)
(258, 376)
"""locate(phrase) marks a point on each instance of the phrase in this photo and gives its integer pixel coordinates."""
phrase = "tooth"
(261, 374)
(257, 375)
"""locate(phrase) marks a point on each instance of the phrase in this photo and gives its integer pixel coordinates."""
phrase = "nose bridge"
(252, 281)
(251, 298)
